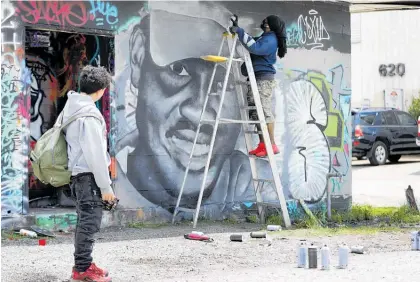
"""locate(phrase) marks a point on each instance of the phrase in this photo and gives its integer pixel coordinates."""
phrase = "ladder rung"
(249, 108)
(226, 120)
(261, 158)
(241, 82)
(263, 180)
(253, 132)
(277, 205)
(214, 94)
(185, 210)
(208, 121)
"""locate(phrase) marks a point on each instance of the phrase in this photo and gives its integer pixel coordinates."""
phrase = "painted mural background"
(160, 84)
(164, 82)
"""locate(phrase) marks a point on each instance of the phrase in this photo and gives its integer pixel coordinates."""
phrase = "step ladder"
(258, 183)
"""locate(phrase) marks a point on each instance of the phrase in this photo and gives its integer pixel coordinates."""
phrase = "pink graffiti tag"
(50, 12)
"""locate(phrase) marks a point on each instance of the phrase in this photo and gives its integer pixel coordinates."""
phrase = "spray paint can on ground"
(258, 234)
(415, 240)
(273, 227)
(28, 233)
(343, 256)
(312, 256)
(236, 238)
(302, 255)
(325, 258)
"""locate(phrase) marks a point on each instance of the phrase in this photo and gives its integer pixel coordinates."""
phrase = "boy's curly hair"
(93, 79)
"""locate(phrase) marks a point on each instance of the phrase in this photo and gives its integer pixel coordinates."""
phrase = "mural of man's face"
(172, 82)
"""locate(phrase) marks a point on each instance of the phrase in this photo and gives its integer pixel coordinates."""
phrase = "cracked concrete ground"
(162, 254)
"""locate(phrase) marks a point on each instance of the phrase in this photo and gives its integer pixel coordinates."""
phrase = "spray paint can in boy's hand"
(415, 240)
(312, 256)
(343, 256)
(302, 255)
(325, 258)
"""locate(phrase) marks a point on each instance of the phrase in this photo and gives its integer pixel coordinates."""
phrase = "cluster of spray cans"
(415, 241)
(308, 256)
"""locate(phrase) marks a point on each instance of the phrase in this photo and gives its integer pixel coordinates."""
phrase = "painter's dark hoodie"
(86, 140)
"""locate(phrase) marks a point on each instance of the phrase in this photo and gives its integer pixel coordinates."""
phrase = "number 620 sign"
(392, 69)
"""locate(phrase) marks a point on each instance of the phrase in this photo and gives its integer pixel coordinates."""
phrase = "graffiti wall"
(159, 87)
(164, 82)
(15, 116)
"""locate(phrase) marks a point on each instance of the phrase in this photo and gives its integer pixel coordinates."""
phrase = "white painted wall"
(384, 37)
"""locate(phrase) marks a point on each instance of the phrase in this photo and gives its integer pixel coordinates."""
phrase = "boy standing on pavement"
(89, 161)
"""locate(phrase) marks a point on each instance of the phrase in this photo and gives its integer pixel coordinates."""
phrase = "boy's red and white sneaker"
(100, 271)
(90, 275)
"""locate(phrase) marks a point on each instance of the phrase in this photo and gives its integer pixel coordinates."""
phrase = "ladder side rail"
(187, 169)
(215, 128)
(264, 129)
(248, 138)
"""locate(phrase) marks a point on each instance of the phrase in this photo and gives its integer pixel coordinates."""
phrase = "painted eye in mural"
(179, 69)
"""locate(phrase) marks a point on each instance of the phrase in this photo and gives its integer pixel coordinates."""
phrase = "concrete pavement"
(158, 257)
(385, 185)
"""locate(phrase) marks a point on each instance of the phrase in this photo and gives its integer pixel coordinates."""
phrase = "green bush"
(414, 108)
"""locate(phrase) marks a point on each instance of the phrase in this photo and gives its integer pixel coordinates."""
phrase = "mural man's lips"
(189, 135)
(185, 146)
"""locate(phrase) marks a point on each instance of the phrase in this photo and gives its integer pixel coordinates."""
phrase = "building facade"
(385, 61)
(153, 51)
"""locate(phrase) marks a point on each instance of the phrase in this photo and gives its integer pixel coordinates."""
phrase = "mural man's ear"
(137, 53)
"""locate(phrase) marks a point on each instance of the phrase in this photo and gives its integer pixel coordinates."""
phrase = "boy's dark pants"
(88, 199)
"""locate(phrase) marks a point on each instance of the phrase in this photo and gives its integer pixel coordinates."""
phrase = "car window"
(367, 118)
(379, 120)
(405, 119)
(390, 118)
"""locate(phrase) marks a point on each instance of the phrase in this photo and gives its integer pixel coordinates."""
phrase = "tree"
(414, 108)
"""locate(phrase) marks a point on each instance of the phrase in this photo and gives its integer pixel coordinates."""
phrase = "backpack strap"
(76, 116)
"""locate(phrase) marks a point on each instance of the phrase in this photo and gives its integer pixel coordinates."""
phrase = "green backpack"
(49, 157)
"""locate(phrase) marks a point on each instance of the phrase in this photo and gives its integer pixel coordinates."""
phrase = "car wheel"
(379, 154)
(394, 158)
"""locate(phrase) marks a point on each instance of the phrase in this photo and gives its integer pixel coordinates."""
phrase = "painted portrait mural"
(165, 82)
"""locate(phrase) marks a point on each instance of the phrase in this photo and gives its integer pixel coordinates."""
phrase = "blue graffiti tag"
(104, 10)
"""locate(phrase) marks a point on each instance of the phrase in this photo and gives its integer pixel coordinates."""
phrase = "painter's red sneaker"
(260, 147)
(91, 274)
(263, 152)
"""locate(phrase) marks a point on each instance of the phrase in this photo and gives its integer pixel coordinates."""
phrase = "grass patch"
(275, 220)
(141, 225)
(393, 215)
(325, 231)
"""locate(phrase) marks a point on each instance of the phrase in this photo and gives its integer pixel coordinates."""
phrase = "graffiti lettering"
(14, 127)
(108, 11)
(8, 26)
(37, 38)
(309, 31)
(53, 12)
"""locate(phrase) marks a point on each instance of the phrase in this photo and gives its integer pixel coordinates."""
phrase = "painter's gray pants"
(89, 216)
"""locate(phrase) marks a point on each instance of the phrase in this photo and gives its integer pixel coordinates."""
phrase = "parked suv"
(384, 133)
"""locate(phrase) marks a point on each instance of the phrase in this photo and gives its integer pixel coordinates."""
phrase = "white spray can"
(302, 255)
(28, 233)
(325, 258)
(415, 240)
(343, 256)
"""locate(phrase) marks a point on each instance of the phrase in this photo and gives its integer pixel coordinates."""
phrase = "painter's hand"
(234, 20)
(234, 28)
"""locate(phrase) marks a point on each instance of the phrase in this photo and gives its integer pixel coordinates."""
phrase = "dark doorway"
(55, 60)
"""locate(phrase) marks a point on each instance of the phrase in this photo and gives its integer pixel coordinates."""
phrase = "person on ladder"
(263, 51)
